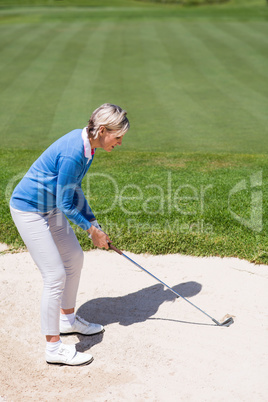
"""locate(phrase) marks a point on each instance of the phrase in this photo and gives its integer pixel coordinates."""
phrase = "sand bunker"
(155, 347)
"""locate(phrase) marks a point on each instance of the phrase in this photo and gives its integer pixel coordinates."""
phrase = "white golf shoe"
(68, 355)
(80, 326)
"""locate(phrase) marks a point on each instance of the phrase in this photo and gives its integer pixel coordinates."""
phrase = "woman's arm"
(69, 195)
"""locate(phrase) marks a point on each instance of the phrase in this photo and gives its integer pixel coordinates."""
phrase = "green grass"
(193, 80)
(189, 85)
(171, 203)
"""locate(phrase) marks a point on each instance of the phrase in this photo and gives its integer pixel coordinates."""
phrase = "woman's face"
(109, 139)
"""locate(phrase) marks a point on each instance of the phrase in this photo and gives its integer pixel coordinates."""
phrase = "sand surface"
(155, 347)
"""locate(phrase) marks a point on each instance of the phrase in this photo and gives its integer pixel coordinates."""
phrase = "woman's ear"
(101, 130)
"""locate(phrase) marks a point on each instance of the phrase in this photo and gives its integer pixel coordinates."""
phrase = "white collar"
(88, 152)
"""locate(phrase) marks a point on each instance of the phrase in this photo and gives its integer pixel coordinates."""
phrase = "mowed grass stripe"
(183, 68)
(14, 114)
(228, 51)
(247, 33)
(109, 82)
(26, 50)
(242, 59)
(245, 111)
(25, 82)
(10, 33)
(144, 110)
(258, 30)
(121, 80)
(177, 103)
(77, 99)
(211, 60)
(44, 100)
(199, 89)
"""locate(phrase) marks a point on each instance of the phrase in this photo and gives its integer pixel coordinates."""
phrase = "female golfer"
(48, 193)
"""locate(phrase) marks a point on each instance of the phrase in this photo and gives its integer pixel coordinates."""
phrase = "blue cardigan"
(54, 180)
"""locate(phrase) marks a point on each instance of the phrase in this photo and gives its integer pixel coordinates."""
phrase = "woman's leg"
(72, 257)
(57, 253)
(46, 238)
(35, 232)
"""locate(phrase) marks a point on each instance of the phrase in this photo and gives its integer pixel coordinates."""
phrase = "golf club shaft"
(159, 280)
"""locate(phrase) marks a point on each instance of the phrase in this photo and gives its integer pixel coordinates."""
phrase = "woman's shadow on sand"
(129, 309)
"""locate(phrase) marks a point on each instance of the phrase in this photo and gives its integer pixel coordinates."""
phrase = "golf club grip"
(115, 249)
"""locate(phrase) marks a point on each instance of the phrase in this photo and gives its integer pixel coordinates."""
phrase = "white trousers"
(57, 253)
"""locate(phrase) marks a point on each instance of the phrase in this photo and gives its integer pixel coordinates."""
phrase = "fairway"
(188, 84)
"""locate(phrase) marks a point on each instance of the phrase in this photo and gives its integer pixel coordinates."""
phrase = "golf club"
(226, 323)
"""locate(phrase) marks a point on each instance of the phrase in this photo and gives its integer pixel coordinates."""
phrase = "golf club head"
(226, 323)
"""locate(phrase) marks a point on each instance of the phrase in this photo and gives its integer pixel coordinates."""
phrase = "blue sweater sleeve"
(82, 205)
(70, 197)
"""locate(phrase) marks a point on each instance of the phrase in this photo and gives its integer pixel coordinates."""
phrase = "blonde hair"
(110, 116)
